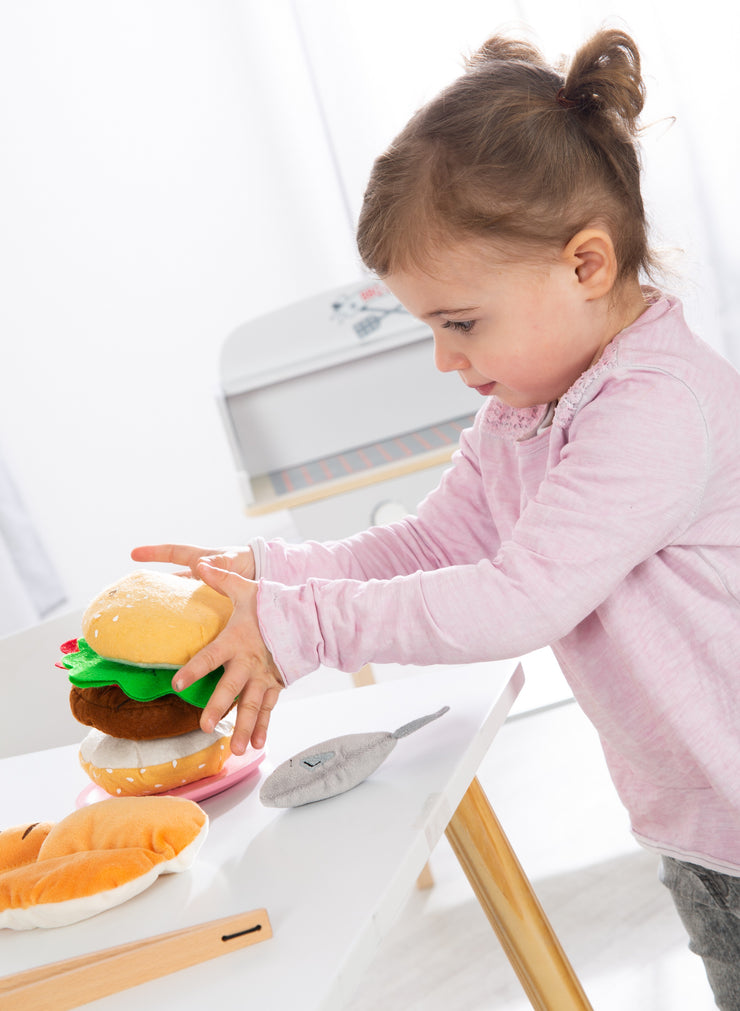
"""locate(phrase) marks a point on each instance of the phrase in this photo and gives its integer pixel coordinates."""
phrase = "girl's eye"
(459, 325)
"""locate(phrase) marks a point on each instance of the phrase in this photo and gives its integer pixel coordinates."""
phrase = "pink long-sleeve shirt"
(612, 535)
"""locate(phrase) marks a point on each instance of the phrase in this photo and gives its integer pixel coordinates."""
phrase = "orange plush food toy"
(96, 858)
(137, 632)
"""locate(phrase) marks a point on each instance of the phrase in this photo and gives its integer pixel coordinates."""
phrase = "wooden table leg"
(511, 906)
(364, 676)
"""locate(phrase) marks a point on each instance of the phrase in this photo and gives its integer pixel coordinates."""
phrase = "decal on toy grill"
(363, 311)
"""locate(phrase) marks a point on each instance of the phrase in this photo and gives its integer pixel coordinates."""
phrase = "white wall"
(150, 204)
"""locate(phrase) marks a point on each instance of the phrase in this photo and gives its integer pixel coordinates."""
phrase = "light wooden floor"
(547, 782)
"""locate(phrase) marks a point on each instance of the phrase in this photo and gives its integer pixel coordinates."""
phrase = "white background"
(172, 168)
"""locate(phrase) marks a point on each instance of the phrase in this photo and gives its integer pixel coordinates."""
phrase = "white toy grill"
(333, 407)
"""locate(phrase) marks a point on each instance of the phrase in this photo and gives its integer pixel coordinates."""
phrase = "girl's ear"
(590, 253)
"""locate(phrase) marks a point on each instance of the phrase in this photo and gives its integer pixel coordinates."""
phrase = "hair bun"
(605, 77)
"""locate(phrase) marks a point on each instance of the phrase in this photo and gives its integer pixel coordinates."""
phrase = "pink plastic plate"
(237, 768)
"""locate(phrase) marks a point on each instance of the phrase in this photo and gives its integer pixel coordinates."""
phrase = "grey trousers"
(709, 906)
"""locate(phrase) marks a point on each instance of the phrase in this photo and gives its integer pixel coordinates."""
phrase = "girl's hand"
(249, 670)
(239, 560)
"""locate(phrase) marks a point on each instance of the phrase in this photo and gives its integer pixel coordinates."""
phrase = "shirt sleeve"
(627, 482)
(453, 526)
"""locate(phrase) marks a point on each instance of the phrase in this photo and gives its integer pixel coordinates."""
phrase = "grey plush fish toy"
(334, 766)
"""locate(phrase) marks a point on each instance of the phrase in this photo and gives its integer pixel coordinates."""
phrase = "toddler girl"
(593, 506)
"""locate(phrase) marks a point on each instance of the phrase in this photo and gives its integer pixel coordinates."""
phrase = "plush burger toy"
(146, 738)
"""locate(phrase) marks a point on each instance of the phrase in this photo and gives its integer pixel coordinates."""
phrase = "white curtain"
(374, 64)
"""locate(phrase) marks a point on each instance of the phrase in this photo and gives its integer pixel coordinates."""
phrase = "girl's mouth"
(486, 390)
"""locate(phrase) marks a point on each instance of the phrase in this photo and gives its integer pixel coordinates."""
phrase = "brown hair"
(515, 153)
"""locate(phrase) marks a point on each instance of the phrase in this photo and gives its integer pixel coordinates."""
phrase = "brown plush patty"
(111, 711)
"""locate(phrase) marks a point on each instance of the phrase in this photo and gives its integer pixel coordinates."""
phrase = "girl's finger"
(223, 579)
(247, 714)
(174, 554)
(208, 659)
(222, 698)
(269, 701)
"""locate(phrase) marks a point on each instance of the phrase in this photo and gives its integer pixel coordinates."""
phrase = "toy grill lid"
(317, 333)
(333, 391)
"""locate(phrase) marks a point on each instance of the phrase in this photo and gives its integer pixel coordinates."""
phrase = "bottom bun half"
(126, 768)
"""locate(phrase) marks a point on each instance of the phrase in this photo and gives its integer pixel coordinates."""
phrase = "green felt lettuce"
(88, 670)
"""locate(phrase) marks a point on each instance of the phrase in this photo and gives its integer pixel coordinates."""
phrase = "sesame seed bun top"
(154, 619)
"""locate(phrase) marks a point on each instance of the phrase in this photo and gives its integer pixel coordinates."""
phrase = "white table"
(333, 876)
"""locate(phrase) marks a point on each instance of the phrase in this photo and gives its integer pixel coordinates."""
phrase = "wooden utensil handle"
(71, 982)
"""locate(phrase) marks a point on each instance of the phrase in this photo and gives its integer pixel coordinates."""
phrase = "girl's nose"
(448, 358)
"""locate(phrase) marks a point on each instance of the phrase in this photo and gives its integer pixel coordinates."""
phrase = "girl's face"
(521, 331)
